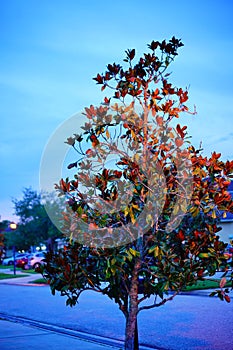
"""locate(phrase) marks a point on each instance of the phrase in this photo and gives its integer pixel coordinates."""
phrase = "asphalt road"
(186, 323)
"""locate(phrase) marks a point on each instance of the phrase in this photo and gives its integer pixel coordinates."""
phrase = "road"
(187, 323)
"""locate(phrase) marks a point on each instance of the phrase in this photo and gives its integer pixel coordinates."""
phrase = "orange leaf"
(93, 226)
(179, 142)
(222, 282)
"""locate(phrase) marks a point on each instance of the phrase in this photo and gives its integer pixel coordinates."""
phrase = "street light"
(13, 226)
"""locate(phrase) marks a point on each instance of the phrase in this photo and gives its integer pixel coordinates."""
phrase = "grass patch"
(5, 267)
(207, 284)
(39, 281)
(9, 267)
(4, 276)
(31, 271)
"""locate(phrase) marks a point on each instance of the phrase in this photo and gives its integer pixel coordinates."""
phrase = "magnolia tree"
(143, 204)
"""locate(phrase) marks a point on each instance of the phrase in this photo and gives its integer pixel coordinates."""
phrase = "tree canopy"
(34, 226)
(146, 220)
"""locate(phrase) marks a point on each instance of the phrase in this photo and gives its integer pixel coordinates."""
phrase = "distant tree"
(34, 226)
(4, 225)
(163, 236)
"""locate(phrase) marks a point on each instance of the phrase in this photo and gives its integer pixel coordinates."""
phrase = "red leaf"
(105, 173)
(117, 174)
(180, 235)
(117, 94)
(99, 79)
(106, 100)
(181, 130)
(131, 54)
(89, 152)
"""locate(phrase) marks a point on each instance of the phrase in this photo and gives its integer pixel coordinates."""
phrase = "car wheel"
(10, 262)
(36, 266)
(26, 267)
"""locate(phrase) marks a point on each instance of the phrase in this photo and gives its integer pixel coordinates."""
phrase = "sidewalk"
(27, 280)
(15, 336)
(18, 334)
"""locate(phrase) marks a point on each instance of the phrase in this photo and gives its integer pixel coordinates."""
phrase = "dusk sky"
(51, 50)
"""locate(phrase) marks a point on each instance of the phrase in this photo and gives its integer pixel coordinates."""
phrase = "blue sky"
(51, 50)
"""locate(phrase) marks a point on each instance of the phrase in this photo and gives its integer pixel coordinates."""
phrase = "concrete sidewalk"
(16, 336)
(18, 280)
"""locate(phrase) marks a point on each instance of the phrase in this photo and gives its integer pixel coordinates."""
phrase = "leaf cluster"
(160, 261)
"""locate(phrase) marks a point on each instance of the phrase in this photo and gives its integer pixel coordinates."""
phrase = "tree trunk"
(131, 335)
(136, 345)
(131, 330)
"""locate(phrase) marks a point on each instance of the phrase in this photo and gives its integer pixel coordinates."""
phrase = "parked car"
(35, 260)
(10, 261)
(22, 261)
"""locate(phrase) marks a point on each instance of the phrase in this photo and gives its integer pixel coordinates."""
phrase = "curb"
(84, 336)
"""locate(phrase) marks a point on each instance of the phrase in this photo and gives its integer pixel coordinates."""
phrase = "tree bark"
(131, 334)
(136, 344)
(131, 330)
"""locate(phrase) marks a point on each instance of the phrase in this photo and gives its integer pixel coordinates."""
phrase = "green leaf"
(204, 255)
(152, 249)
(80, 210)
(113, 261)
(134, 252)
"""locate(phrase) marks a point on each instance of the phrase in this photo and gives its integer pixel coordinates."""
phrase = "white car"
(35, 260)
(10, 261)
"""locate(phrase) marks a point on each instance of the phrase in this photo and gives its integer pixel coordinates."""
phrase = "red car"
(22, 262)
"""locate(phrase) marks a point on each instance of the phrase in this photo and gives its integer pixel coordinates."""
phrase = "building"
(226, 233)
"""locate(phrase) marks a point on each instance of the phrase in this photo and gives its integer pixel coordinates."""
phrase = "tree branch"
(163, 301)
